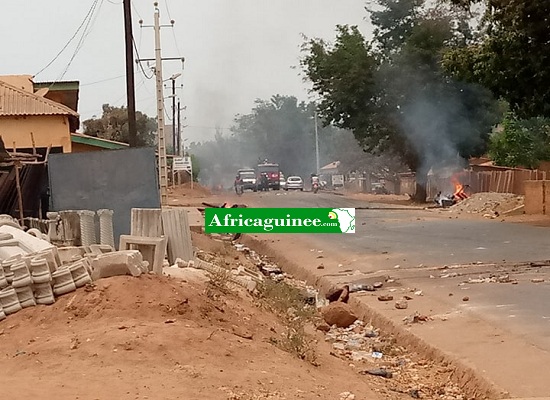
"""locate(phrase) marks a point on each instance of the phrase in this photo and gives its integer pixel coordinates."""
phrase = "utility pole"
(178, 151)
(163, 168)
(130, 87)
(174, 117)
(161, 139)
(316, 143)
(173, 79)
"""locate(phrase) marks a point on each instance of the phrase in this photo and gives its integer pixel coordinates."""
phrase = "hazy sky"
(235, 50)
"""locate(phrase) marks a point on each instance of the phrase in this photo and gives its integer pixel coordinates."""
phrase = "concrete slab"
(146, 222)
(175, 227)
(153, 249)
(194, 216)
(127, 262)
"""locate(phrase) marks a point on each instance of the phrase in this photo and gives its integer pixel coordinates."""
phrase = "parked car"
(294, 183)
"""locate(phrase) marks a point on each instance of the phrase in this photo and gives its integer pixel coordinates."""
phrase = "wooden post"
(48, 153)
(33, 145)
(19, 193)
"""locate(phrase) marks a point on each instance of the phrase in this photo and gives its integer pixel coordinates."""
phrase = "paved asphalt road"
(414, 237)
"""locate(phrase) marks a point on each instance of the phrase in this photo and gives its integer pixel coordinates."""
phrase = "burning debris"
(460, 193)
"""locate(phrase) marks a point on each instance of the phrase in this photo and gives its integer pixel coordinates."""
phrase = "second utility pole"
(163, 168)
(130, 89)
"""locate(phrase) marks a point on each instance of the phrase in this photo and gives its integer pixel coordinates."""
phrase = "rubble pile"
(370, 353)
(491, 204)
(264, 269)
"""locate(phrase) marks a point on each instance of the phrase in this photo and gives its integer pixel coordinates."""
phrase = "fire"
(459, 193)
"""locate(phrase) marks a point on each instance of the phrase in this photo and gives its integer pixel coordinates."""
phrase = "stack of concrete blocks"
(38, 278)
(159, 233)
(78, 228)
(33, 271)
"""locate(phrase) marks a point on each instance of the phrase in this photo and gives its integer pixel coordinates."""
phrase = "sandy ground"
(159, 338)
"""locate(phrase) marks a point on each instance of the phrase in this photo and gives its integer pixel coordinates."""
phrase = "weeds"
(220, 280)
(285, 300)
(289, 303)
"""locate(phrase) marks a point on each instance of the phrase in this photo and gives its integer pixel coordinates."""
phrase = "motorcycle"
(315, 187)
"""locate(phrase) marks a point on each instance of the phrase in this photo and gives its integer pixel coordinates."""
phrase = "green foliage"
(511, 57)
(393, 94)
(395, 22)
(113, 125)
(521, 143)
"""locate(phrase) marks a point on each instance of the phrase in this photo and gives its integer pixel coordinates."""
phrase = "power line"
(139, 62)
(71, 39)
(173, 31)
(85, 33)
(103, 80)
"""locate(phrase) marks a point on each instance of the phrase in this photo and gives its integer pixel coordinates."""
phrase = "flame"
(459, 193)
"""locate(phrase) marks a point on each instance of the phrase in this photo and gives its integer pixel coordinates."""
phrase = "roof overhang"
(97, 142)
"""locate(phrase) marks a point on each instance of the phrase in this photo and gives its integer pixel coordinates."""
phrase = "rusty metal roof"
(17, 102)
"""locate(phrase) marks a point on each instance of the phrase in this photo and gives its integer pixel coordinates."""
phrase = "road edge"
(468, 378)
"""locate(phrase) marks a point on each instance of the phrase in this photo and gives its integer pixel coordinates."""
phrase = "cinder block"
(115, 263)
(152, 248)
(535, 192)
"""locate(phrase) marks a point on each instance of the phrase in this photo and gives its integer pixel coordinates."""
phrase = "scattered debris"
(338, 294)
(416, 318)
(379, 372)
(338, 314)
(401, 304)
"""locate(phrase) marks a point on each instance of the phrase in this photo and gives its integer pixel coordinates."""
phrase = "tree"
(393, 95)
(511, 56)
(521, 143)
(281, 129)
(113, 125)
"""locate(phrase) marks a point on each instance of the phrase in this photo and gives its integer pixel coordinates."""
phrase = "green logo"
(279, 220)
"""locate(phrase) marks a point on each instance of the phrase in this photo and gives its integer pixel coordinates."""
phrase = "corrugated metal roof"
(98, 142)
(17, 102)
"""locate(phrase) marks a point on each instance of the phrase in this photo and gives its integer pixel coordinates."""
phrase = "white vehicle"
(282, 181)
(294, 183)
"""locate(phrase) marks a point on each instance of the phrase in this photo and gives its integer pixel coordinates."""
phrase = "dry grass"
(289, 303)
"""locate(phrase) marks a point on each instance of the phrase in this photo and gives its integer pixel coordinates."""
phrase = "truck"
(248, 178)
(272, 171)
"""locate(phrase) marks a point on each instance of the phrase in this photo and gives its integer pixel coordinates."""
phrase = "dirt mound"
(185, 190)
(488, 203)
(159, 338)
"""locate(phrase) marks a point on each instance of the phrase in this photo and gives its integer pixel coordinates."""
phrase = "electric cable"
(70, 40)
(85, 34)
